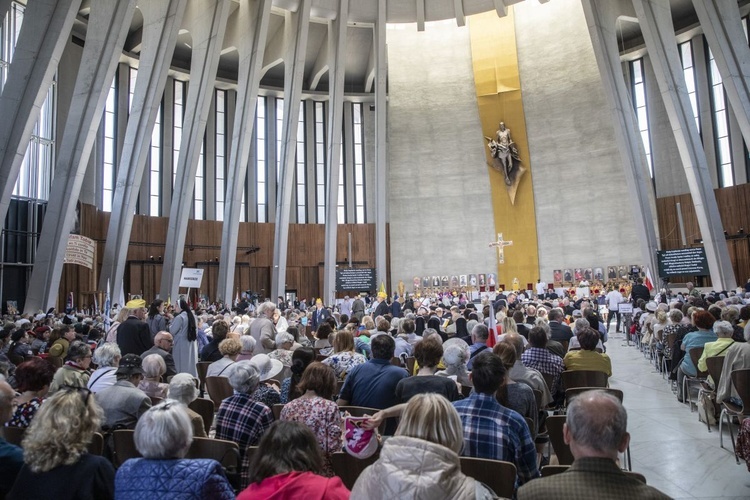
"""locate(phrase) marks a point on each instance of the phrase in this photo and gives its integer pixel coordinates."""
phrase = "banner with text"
(356, 279)
(682, 262)
(80, 251)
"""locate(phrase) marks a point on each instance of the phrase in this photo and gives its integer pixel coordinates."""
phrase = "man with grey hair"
(248, 347)
(11, 456)
(240, 419)
(162, 346)
(263, 329)
(560, 332)
(596, 431)
(479, 336)
(183, 390)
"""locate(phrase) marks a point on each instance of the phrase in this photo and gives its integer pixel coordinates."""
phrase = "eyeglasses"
(83, 391)
(170, 341)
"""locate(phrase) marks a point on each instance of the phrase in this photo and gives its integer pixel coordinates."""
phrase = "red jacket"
(293, 485)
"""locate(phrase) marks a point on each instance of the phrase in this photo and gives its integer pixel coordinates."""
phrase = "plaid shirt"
(498, 433)
(242, 420)
(543, 361)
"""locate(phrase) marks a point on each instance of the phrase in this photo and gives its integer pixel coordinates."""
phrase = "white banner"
(80, 251)
(191, 278)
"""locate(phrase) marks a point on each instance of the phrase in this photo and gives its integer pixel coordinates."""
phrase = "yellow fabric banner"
(498, 86)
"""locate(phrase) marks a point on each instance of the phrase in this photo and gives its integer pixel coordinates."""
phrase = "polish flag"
(649, 282)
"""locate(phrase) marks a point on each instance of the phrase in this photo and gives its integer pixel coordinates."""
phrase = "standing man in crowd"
(319, 315)
(614, 299)
(133, 334)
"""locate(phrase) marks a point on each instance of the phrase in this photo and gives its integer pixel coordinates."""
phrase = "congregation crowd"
(444, 378)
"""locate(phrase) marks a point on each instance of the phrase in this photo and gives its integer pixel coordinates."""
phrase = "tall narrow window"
(721, 125)
(301, 174)
(261, 184)
(154, 184)
(109, 139)
(279, 133)
(10, 27)
(35, 176)
(688, 69)
(641, 111)
(342, 192)
(199, 189)
(221, 147)
(320, 163)
(359, 165)
(133, 73)
(178, 114)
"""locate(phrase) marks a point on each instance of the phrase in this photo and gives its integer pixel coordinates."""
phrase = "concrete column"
(656, 25)
(108, 27)
(601, 18)
(45, 31)
(249, 32)
(337, 62)
(207, 22)
(296, 30)
(722, 26)
(161, 24)
(381, 153)
(4, 8)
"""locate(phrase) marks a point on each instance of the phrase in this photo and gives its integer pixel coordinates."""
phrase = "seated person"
(455, 356)
(240, 418)
(283, 352)
(343, 358)
(124, 403)
(596, 430)
(75, 372)
(229, 348)
(154, 369)
(11, 456)
(579, 325)
(163, 342)
(183, 390)
(57, 463)
(491, 430)
(210, 352)
(163, 436)
(33, 378)
(539, 358)
(107, 358)
(587, 358)
(427, 353)
(421, 460)
(724, 332)
(288, 464)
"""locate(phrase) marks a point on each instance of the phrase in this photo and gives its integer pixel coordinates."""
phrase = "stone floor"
(669, 445)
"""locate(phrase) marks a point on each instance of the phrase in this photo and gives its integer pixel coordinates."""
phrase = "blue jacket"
(182, 479)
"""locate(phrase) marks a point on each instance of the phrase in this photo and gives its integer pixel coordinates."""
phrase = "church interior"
(441, 145)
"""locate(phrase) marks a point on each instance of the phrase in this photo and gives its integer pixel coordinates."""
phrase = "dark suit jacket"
(560, 331)
(381, 310)
(396, 309)
(319, 317)
(168, 359)
(640, 292)
(134, 336)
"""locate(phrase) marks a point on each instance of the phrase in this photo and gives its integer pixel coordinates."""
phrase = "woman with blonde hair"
(56, 461)
(421, 460)
(112, 332)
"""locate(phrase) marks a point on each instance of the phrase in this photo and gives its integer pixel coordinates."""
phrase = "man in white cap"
(133, 334)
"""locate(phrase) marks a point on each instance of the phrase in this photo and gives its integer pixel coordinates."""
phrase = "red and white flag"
(649, 281)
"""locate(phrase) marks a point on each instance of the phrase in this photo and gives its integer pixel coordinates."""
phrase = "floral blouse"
(282, 355)
(24, 413)
(266, 395)
(324, 419)
(343, 362)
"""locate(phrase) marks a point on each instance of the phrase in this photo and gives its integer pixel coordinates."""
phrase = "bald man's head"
(596, 425)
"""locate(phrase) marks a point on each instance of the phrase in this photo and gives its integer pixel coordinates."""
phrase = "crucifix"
(500, 244)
